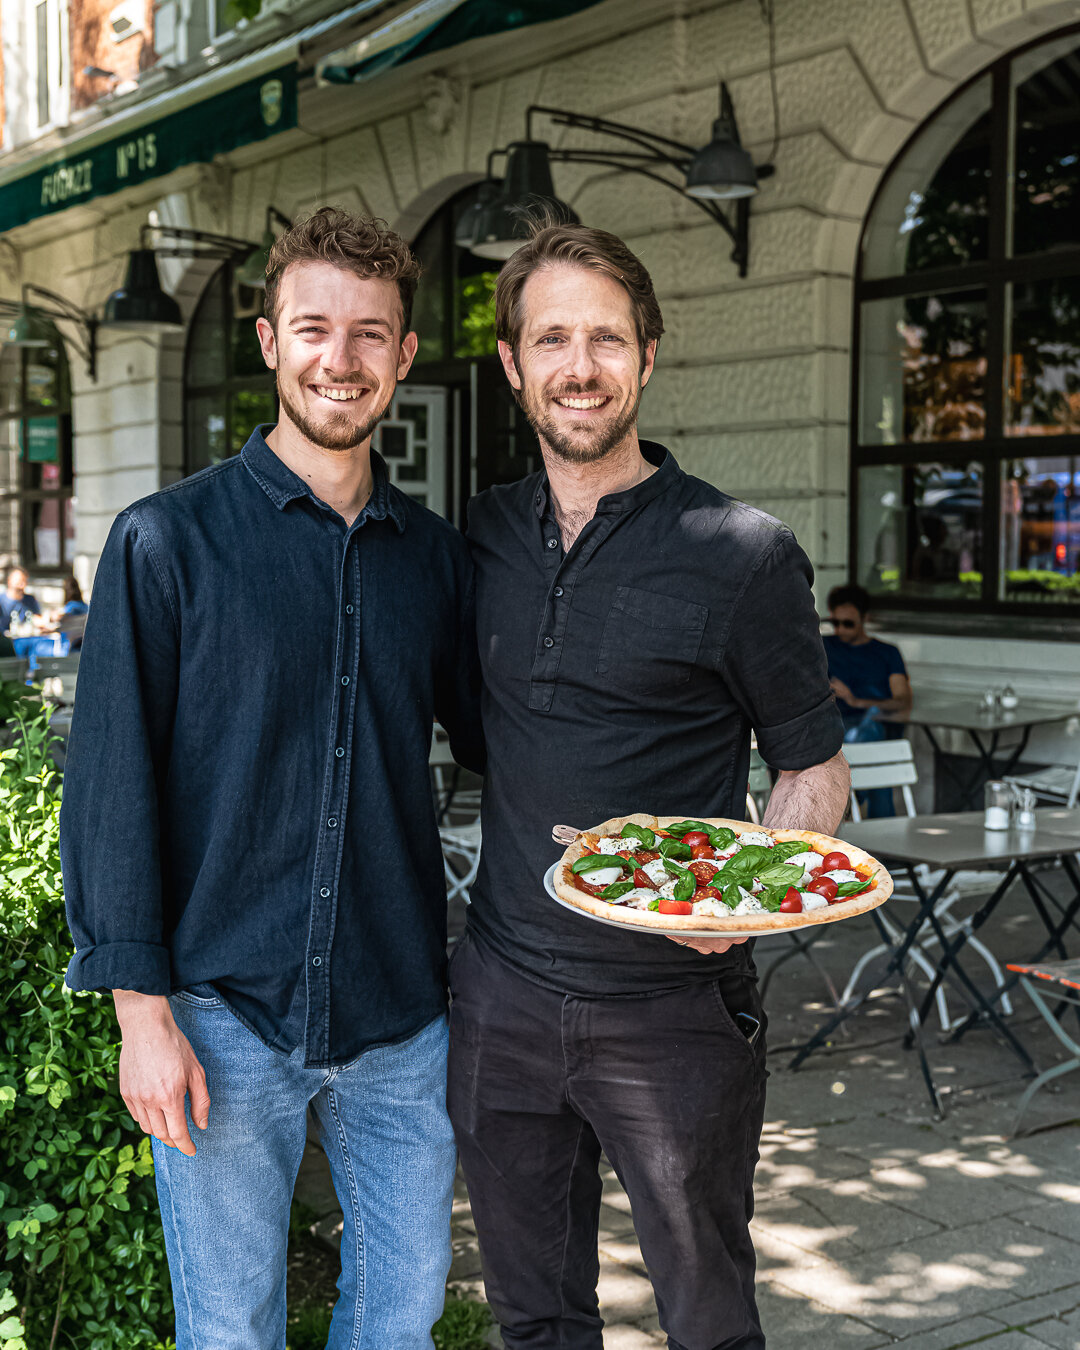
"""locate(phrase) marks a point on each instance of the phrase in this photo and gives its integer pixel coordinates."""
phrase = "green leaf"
(674, 848)
(721, 838)
(616, 889)
(11, 1327)
(592, 862)
(781, 875)
(682, 827)
(685, 886)
(850, 888)
(640, 832)
(673, 869)
(654, 905)
(730, 895)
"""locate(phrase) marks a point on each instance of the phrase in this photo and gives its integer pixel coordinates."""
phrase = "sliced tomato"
(707, 893)
(668, 906)
(792, 902)
(824, 886)
(835, 861)
(695, 837)
(703, 851)
(703, 871)
(643, 879)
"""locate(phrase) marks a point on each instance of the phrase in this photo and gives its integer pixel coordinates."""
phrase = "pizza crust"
(734, 923)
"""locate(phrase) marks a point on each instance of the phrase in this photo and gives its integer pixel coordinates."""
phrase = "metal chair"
(460, 840)
(1058, 783)
(13, 668)
(758, 787)
(58, 676)
(1064, 978)
(891, 764)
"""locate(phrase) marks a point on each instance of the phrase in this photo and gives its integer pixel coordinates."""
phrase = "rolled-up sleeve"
(117, 760)
(774, 661)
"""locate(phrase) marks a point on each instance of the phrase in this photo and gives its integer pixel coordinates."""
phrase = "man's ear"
(267, 342)
(648, 362)
(509, 364)
(406, 354)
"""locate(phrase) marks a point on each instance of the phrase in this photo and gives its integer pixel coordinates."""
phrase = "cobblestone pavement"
(876, 1223)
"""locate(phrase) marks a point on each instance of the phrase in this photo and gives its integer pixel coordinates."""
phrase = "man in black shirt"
(635, 625)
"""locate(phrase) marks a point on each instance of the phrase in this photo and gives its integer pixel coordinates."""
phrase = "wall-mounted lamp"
(722, 170)
(140, 304)
(252, 271)
(34, 327)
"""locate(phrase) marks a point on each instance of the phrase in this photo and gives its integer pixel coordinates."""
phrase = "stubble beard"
(586, 446)
(336, 431)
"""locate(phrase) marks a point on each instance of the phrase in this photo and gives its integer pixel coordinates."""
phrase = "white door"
(412, 440)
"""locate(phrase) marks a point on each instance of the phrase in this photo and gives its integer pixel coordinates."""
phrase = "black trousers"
(669, 1087)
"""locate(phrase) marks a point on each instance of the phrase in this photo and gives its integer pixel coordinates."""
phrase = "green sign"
(41, 440)
(248, 112)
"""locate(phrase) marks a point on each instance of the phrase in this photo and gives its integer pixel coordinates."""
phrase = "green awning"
(467, 19)
(247, 112)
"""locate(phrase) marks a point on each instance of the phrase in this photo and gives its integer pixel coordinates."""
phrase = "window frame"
(996, 274)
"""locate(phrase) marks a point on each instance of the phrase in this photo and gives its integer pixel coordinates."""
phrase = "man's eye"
(551, 337)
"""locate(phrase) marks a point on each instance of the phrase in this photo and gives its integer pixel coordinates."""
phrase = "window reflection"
(1046, 201)
(1044, 360)
(920, 530)
(1040, 529)
(923, 369)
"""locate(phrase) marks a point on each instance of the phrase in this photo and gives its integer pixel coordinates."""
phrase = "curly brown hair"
(362, 245)
(553, 243)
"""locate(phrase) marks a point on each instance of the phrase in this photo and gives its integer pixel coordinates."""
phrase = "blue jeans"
(383, 1124)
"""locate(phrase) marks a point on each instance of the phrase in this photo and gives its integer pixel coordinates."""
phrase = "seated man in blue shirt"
(867, 676)
(15, 600)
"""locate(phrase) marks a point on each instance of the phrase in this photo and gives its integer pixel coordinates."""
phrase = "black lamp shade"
(252, 271)
(722, 169)
(502, 225)
(141, 303)
(467, 229)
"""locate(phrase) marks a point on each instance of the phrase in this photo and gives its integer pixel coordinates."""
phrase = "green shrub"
(83, 1252)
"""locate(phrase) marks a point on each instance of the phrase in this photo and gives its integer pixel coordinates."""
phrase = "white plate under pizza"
(713, 878)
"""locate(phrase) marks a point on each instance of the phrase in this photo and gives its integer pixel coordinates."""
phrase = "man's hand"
(845, 695)
(707, 946)
(158, 1068)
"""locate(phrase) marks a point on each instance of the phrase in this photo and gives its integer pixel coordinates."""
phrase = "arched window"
(966, 425)
(37, 527)
(228, 389)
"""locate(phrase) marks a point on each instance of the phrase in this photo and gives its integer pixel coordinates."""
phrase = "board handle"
(564, 834)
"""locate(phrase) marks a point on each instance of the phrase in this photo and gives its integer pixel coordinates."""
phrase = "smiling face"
(338, 352)
(578, 367)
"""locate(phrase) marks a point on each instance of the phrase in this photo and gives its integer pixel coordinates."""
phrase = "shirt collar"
(283, 486)
(667, 470)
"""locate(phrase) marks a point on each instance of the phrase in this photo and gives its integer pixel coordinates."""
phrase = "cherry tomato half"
(792, 902)
(695, 837)
(667, 906)
(835, 861)
(824, 886)
(643, 879)
(707, 893)
(703, 871)
(702, 851)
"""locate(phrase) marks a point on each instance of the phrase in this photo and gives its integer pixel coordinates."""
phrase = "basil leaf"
(654, 904)
(722, 837)
(781, 875)
(673, 869)
(771, 897)
(616, 889)
(746, 862)
(730, 895)
(590, 862)
(640, 832)
(854, 887)
(682, 827)
(787, 848)
(675, 848)
(685, 886)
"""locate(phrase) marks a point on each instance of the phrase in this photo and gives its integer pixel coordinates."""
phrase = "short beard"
(336, 432)
(568, 447)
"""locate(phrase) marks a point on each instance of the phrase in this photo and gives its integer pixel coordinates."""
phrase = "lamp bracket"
(85, 323)
(210, 245)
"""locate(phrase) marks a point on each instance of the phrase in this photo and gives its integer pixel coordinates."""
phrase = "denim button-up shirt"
(246, 798)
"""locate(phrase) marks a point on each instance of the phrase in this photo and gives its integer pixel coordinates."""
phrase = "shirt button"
(339, 752)
(325, 892)
(344, 679)
(558, 592)
(316, 960)
(348, 609)
(549, 642)
(332, 823)
(553, 543)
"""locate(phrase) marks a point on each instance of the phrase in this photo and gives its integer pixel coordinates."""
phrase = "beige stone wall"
(751, 390)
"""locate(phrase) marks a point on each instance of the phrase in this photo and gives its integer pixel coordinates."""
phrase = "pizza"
(718, 876)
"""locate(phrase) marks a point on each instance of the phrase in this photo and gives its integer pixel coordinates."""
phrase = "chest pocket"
(650, 642)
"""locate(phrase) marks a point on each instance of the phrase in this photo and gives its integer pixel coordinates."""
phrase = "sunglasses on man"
(843, 623)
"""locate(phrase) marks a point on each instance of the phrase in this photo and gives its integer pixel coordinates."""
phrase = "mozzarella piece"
(656, 871)
(748, 904)
(613, 845)
(602, 876)
(668, 888)
(811, 900)
(757, 837)
(842, 875)
(641, 897)
(807, 861)
(716, 908)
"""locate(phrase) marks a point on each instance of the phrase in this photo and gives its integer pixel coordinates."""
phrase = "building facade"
(909, 319)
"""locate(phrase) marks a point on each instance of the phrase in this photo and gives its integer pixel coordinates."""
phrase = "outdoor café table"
(983, 727)
(951, 842)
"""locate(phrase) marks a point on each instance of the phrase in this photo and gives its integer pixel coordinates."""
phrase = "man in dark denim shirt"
(250, 853)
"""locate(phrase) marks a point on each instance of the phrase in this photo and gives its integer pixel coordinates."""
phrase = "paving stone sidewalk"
(876, 1223)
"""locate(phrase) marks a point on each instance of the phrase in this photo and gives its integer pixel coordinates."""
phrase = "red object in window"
(1060, 553)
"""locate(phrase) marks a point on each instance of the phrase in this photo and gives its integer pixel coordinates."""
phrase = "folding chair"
(1058, 783)
(460, 841)
(58, 676)
(13, 668)
(758, 787)
(1064, 978)
(891, 764)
